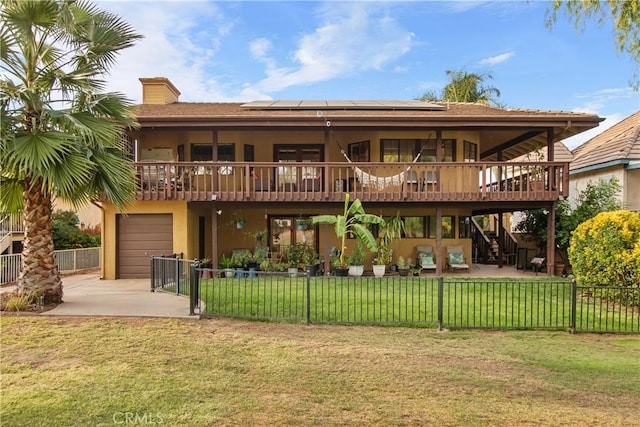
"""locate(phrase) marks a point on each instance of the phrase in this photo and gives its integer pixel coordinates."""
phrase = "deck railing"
(319, 181)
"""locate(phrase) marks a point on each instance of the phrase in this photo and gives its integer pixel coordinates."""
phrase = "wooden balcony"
(378, 182)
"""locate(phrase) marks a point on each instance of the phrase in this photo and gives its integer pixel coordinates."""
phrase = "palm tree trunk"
(39, 270)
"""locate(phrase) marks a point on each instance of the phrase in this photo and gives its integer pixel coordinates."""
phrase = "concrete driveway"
(87, 295)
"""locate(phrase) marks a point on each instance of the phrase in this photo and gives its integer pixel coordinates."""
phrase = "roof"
(560, 154)
(619, 143)
(514, 132)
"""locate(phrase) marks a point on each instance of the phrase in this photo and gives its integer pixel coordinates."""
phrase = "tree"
(67, 234)
(354, 220)
(465, 87)
(595, 198)
(625, 16)
(62, 134)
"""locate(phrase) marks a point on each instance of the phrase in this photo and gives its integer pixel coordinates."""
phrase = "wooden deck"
(370, 182)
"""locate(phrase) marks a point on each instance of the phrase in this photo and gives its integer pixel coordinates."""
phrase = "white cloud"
(260, 47)
(498, 59)
(354, 37)
(605, 103)
(177, 45)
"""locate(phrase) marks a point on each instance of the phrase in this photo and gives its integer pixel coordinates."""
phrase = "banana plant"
(354, 220)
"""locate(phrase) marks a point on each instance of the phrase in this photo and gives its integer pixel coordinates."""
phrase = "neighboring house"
(201, 166)
(614, 153)
(11, 233)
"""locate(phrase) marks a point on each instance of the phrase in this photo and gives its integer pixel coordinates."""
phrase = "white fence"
(68, 261)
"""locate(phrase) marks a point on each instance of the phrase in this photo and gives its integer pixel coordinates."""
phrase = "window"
(359, 151)
(470, 152)
(204, 152)
(429, 150)
(399, 150)
(448, 226)
(414, 227)
(464, 225)
(405, 150)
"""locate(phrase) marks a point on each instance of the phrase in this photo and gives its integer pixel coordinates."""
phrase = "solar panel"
(344, 105)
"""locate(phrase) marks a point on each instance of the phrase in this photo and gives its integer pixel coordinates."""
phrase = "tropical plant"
(62, 134)
(605, 250)
(465, 87)
(354, 220)
(226, 262)
(357, 256)
(402, 263)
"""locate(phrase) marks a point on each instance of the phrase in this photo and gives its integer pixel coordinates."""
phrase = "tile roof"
(451, 110)
(620, 142)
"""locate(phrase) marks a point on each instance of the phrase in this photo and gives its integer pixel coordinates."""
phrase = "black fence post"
(194, 285)
(440, 302)
(308, 297)
(153, 275)
(574, 303)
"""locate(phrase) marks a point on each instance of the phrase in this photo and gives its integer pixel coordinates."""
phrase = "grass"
(485, 303)
(83, 371)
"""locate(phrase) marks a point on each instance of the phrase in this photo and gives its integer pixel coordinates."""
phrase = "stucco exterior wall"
(578, 182)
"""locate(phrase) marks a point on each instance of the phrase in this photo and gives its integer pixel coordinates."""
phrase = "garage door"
(139, 238)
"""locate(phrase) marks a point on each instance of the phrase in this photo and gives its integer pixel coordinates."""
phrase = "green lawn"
(83, 371)
(485, 303)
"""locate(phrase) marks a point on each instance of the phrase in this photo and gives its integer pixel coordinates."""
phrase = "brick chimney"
(158, 90)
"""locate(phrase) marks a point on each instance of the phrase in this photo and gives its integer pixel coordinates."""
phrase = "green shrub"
(605, 250)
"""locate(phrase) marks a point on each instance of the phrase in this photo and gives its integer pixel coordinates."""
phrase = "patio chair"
(412, 180)
(538, 264)
(425, 257)
(456, 259)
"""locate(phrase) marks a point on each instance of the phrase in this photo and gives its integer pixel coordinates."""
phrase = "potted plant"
(355, 261)
(238, 220)
(389, 231)
(205, 263)
(226, 264)
(403, 266)
(310, 259)
(302, 224)
(380, 262)
(240, 262)
(337, 267)
(536, 172)
(259, 236)
(294, 258)
(354, 220)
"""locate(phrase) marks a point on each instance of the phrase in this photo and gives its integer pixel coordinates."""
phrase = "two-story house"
(201, 166)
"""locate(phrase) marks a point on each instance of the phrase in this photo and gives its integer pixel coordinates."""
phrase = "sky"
(255, 50)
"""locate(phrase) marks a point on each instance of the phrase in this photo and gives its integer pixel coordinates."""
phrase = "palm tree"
(62, 134)
(465, 87)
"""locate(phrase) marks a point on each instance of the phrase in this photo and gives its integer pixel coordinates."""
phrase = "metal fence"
(392, 300)
(68, 261)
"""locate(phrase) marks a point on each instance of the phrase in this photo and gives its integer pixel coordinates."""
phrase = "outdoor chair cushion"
(456, 258)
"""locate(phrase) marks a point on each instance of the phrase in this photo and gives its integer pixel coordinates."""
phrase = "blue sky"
(243, 51)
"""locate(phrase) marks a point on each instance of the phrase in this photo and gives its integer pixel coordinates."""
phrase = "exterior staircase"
(10, 226)
(486, 244)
